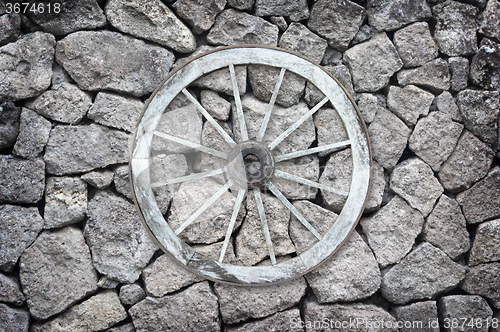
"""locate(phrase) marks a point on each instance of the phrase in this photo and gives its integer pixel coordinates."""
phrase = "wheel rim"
(239, 180)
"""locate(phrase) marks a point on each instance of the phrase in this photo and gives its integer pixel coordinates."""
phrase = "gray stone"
(415, 44)
(9, 124)
(372, 63)
(280, 22)
(10, 292)
(414, 181)
(19, 227)
(211, 138)
(233, 27)
(56, 272)
(365, 32)
(239, 303)
(392, 231)
(215, 105)
(198, 14)
(388, 138)
(59, 76)
(21, 181)
(241, 4)
(105, 60)
(151, 20)
(107, 283)
(423, 316)
(446, 104)
(337, 174)
(193, 309)
(485, 66)
(281, 321)
(299, 39)
(65, 201)
(33, 135)
(337, 21)
(480, 110)
(446, 229)
(390, 15)
(332, 57)
(124, 328)
(474, 206)
(459, 68)
(313, 96)
(120, 245)
(469, 162)
(295, 10)
(101, 311)
(422, 274)
(409, 103)
(368, 105)
(122, 181)
(131, 294)
(76, 149)
(491, 16)
(306, 167)
(220, 80)
(434, 139)
(26, 66)
(486, 243)
(213, 251)
(465, 308)
(99, 179)
(13, 320)
(116, 111)
(434, 75)
(484, 280)
(456, 28)
(10, 28)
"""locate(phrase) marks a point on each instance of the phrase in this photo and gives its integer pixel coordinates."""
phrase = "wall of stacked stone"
(426, 77)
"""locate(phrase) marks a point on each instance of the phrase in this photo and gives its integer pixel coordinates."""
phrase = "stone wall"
(426, 76)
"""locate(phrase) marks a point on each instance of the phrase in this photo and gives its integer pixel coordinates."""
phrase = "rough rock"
(151, 20)
(491, 16)
(193, 309)
(131, 294)
(59, 76)
(56, 272)
(485, 66)
(299, 39)
(239, 303)
(465, 308)
(484, 280)
(124, 328)
(33, 135)
(421, 316)
(213, 251)
(105, 60)
(388, 138)
(211, 138)
(480, 111)
(116, 111)
(215, 105)
(306, 167)
(409, 103)
(280, 22)
(13, 319)
(446, 229)
(10, 292)
(241, 4)
(369, 104)
(332, 57)
(469, 162)
(415, 44)
(392, 231)
(365, 32)
(99, 179)
(220, 80)
(295, 10)
(390, 15)
(233, 27)
(122, 181)
(434, 75)
(107, 283)
(76, 149)
(199, 14)
(337, 21)
(422, 274)
(9, 124)
(486, 243)
(434, 139)
(10, 28)
(101, 311)
(456, 28)
(414, 181)
(19, 227)
(65, 201)
(337, 174)
(26, 66)
(21, 181)
(372, 63)
(446, 104)
(281, 321)
(459, 68)
(313, 96)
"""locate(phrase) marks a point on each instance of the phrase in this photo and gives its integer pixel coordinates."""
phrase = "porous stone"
(211, 138)
(434, 75)
(105, 60)
(107, 283)
(422, 274)
(10, 292)
(337, 174)
(446, 104)
(151, 20)
(233, 27)
(409, 103)
(193, 309)
(332, 57)
(365, 32)
(390, 15)
(101, 311)
(299, 39)
(306, 167)
(241, 4)
(434, 139)
(480, 110)
(13, 319)
(369, 104)
(280, 22)
(59, 76)
(220, 80)
(469, 162)
(119, 243)
(422, 316)
(484, 280)
(131, 294)
(215, 105)
(10, 28)
(76, 149)
(56, 272)
(285, 321)
(26, 66)
(459, 68)
(388, 138)
(21, 181)
(9, 124)
(99, 179)
(19, 227)
(33, 135)
(124, 328)
(491, 16)
(313, 96)
(239, 303)
(122, 181)
(465, 308)
(199, 14)
(65, 201)
(392, 231)
(474, 206)
(415, 44)
(295, 10)
(213, 251)
(372, 63)
(486, 242)
(337, 21)
(446, 229)
(456, 28)
(113, 110)
(485, 65)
